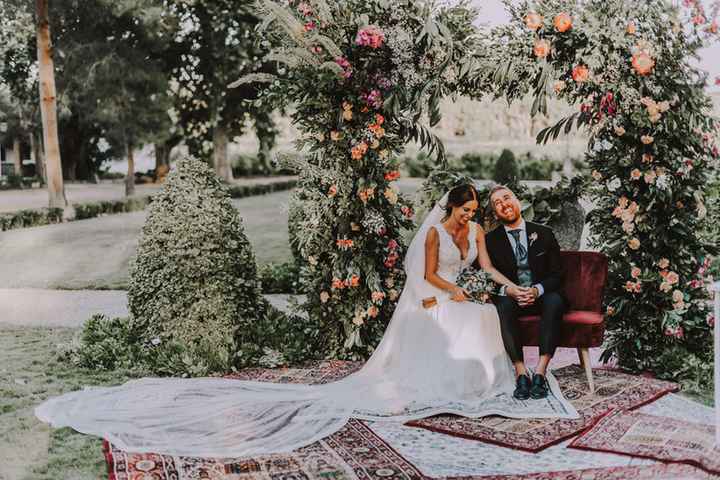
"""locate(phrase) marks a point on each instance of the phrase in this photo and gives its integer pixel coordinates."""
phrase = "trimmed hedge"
(83, 211)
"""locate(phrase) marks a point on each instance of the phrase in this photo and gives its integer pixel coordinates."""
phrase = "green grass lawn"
(30, 372)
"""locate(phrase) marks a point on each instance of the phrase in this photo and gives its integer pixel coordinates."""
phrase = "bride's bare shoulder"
(478, 228)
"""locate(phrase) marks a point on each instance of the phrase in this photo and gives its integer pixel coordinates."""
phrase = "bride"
(445, 359)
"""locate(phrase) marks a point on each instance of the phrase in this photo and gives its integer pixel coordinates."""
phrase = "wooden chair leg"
(584, 355)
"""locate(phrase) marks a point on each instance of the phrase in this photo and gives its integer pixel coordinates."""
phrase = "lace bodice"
(450, 261)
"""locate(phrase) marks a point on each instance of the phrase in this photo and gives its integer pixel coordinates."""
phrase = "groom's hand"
(523, 296)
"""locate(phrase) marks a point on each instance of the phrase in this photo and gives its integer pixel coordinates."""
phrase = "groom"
(529, 255)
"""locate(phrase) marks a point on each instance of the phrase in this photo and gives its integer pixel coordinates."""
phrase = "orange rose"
(643, 63)
(580, 73)
(563, 22)
(542, 48)
(534, 21)
(631, 28)
(634, 243)
(379, 119)
(354, 281)
(635, 174)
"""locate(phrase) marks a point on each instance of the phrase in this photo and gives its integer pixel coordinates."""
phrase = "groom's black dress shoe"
(523, 385)
(539, 387)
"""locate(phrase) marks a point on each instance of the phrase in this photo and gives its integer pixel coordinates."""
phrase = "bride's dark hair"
(459, 196)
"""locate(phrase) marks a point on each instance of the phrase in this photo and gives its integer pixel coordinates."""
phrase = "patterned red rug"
(658, 438)
(645, 472)
(353, 452)
(613, 390)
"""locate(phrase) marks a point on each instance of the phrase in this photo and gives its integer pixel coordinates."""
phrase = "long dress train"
(447, 359)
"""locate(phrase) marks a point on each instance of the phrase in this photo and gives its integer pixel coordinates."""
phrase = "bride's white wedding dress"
(447, 359)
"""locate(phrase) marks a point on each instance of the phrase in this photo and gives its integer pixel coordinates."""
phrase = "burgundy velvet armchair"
(584, 322)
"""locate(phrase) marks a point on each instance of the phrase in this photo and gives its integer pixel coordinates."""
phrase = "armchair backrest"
(585, 278)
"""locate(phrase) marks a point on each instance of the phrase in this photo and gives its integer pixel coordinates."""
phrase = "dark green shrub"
(507, 170)
(107, 344)
(280, 278)
(477, 165)
(193, 284)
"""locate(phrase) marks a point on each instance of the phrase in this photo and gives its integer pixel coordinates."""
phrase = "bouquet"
(476, 282)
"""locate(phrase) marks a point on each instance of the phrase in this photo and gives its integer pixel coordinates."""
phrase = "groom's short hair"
(494, 190)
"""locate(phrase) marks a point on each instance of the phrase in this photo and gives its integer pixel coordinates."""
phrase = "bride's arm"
(486, 264)
(432, 247)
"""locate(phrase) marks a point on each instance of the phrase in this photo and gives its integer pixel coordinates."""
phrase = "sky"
(493, 13)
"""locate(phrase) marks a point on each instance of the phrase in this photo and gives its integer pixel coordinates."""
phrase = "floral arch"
(363, 76)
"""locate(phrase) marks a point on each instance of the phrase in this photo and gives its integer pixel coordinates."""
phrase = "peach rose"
(335, 135)
(647, 139)
(562, 22)
(623, 202)
(559, 86)
(355, 281)
(663, 263)
(647, 158)
(643, 63)
(635, 174)
(377, 297)
(631, 28)
(542, 48)
(580, 73)
(635, 272)
(672, 278)
(533, 21)
(619, 131)
(324, 297)
(665, 287)
(678, 296)
(373, 311)
(597, 175)
(332, 191)
(634, 243)
(338, 284)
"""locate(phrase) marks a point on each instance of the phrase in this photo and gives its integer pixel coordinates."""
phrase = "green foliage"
(507, 170)
(481, 165)
(108, 207)
(193, 284)
(280, 278)
(107, 344)
(30, 218)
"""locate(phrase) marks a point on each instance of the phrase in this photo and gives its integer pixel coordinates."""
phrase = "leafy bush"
(30, 218)
(507, 170)
(248, 165)
(477, 165)
(419, 165)
(107, 344)
(280, 278)
(193, 285)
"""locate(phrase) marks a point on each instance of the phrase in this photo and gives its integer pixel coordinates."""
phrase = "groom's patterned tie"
(521, 256)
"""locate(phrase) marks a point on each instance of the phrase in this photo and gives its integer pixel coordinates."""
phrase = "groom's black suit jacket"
(543, 256)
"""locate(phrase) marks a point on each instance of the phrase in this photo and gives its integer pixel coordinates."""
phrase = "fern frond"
(252, 78)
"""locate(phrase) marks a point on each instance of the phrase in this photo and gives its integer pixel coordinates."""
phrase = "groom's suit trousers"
(550, 307)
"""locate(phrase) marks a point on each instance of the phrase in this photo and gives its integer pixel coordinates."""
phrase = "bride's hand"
(459, 294)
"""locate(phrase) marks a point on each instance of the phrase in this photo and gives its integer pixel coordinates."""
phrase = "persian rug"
(613, 390)
(649, 472)
(654, 437)
(354, 452)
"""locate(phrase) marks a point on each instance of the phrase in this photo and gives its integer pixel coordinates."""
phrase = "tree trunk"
(38, 158)
(17, 157)
(220, 157)
(48, 107)
(130, 179)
